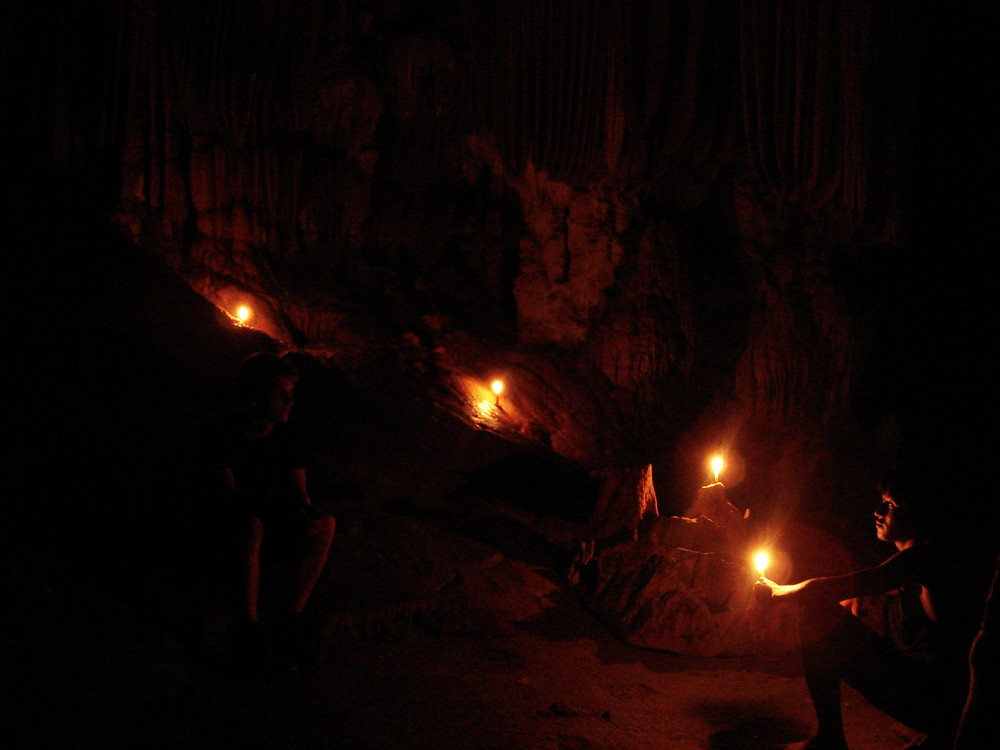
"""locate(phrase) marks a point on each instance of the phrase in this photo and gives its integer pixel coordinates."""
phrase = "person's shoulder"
(946, 557)
(932, 548)
(920, 556)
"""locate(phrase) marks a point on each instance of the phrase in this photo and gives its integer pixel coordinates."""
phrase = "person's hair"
(260, 372)
(917, 488)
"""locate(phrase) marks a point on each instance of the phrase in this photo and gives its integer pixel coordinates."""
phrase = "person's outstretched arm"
(890, 575)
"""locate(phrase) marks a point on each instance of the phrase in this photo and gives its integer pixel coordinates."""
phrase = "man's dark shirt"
(262, 468)
(957, 593)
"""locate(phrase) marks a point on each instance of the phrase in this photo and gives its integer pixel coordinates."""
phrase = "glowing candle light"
(761, 560)
(497, 387)
(243, 313)
(717, 465)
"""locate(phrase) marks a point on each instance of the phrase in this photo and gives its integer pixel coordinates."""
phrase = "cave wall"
(650, 217)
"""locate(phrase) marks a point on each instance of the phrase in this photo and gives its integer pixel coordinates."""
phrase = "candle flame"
(243, 313)
(717, 465)
(761, 560)
(497, 387)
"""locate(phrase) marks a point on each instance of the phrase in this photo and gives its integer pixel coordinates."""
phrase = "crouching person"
(917, 671)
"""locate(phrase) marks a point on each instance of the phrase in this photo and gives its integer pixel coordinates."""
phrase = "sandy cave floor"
(558, 682)
(563, 682)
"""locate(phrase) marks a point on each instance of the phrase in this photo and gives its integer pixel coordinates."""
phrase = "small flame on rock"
(717, 465)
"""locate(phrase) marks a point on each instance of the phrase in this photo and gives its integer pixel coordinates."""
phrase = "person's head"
(267, 385)
(909, 508)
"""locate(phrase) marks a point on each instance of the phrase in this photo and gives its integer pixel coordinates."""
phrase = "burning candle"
(717, 465)
(497, 387)
(761, 559)
(243, 314)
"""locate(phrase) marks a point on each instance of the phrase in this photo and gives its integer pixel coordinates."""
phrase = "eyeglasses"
(883, 508)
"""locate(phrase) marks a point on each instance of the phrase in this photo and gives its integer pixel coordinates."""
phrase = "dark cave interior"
(671, 228)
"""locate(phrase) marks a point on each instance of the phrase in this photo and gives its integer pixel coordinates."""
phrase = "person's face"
(891, 522)
(277, 403)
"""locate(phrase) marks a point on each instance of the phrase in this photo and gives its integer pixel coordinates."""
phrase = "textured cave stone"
(682, 584)
(568, 259)
(713, 504)
(627, 497)
(396, 569)
(362, 212)
(654, 258)
(675, 598)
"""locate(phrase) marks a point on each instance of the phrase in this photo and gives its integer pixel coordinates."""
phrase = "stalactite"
(548, 64)
(810, 84)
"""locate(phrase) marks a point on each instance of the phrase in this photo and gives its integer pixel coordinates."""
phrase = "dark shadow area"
(750, 726)
(544, 484)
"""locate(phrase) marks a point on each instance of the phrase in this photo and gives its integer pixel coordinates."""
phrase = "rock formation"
(666, 225)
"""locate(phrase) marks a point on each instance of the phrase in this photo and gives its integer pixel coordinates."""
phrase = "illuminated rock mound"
(681, 584)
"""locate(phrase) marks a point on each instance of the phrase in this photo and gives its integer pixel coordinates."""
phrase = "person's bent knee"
(327, 526)
(322, 526)
(818, 621)
(254, 532)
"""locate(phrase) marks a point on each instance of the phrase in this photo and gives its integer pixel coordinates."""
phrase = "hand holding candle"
(764, 588)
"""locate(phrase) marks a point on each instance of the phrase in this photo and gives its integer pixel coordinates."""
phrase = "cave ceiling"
(649, 218)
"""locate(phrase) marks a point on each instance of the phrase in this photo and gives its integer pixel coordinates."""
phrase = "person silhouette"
(917, 670)
(258, 463)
